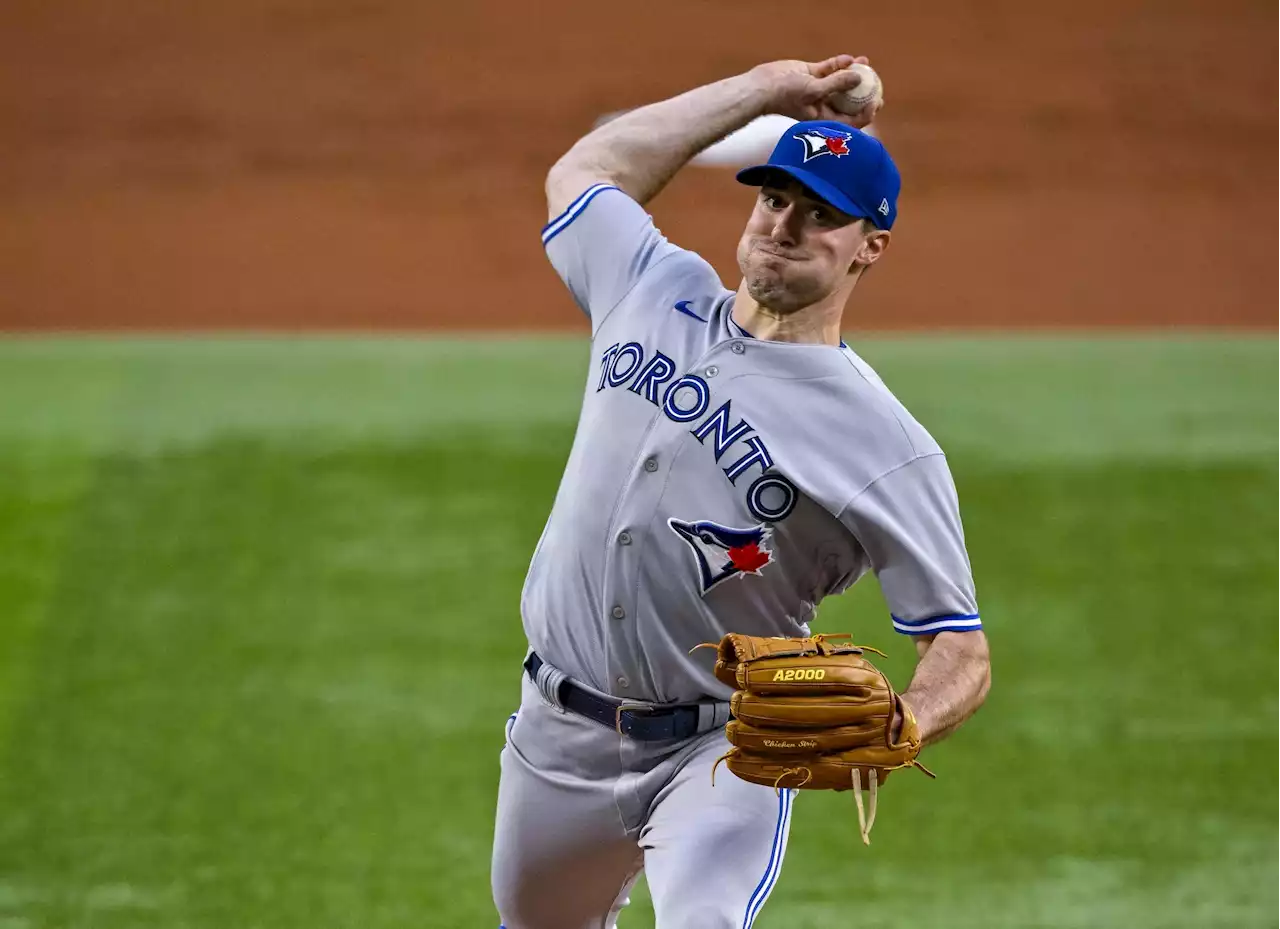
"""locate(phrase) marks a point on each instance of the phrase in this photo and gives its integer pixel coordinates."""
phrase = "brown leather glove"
(816, 714)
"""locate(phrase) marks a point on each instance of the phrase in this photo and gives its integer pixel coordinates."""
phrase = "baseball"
(868, 93)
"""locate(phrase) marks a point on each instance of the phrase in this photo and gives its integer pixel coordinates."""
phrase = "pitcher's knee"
(546, 904)
(532, 911)
(521, 906)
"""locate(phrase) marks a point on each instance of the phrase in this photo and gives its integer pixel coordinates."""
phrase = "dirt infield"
(373, 164)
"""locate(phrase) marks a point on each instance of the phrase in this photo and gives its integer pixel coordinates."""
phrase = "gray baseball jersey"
(718, 482)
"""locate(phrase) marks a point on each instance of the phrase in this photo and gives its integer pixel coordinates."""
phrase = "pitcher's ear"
(875, 244)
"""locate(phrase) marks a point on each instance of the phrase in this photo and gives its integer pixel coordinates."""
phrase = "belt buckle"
(633, 707)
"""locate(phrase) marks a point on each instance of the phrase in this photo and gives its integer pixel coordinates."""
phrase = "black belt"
(644, 723)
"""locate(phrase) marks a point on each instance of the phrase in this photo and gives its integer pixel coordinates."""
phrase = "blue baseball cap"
(844, 166)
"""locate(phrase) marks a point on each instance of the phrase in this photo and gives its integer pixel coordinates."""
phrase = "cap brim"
(758, 175)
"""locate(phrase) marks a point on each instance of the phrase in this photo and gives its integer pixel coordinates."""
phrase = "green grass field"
(259, 635)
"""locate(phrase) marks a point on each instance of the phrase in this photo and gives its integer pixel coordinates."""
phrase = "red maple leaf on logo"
(749, 557)
(837, 146)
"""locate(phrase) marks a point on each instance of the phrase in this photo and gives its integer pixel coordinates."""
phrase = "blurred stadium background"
(258, 585)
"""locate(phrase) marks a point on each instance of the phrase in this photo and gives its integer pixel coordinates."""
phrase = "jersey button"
(651, 464)
(712, 371)
(624, 537)
(623, 683)
(618, 613)
(737, 348)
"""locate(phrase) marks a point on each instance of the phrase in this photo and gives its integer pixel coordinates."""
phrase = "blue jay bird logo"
(722, 552)
(824, 142)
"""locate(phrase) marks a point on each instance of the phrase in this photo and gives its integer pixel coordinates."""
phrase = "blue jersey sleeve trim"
(954, 622)
(572, 212)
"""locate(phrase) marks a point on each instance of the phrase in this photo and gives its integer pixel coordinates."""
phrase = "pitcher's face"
(797, 249)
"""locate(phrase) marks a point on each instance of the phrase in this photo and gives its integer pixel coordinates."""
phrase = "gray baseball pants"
(582, 811)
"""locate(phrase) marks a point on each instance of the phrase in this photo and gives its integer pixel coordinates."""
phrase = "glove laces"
(866, 808)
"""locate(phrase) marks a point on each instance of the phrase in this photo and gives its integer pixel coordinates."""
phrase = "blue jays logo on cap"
(859, 178)
(820, 140)
(721, 552)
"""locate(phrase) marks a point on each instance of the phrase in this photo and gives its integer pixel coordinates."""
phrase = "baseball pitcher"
(735, 463)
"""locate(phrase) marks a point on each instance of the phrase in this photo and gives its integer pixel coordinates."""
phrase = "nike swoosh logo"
(682, 306)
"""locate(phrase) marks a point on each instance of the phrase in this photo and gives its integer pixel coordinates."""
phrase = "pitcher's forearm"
(640, 151)
(950, 683)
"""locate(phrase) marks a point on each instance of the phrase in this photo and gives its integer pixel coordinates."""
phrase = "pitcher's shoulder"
(872, 404)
